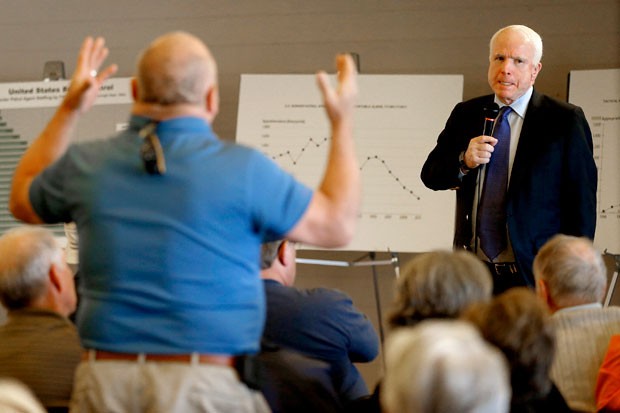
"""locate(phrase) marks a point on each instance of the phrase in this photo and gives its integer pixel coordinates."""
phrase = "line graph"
(598, 94)
(390, 172)
(295, 157)
(612, 209)
(396, 126)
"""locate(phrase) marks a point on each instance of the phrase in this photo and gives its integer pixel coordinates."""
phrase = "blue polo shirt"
(169, 264)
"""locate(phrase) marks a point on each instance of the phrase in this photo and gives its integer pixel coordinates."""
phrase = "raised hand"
(339, 102)
(87, 79)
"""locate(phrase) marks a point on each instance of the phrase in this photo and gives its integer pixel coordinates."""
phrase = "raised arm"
(331, 217)
(53, 141)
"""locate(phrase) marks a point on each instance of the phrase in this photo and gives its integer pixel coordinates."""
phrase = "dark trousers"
(505, 275)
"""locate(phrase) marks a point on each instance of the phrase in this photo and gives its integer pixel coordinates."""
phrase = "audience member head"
(569, 271)
(177, 69)
(277, 262)
(443, 366)
(439, 284)
(518, 323)
(34, 273)
(16, 397)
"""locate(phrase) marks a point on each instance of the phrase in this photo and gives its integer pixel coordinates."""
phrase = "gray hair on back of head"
(439, 284)
(26, 256)
(572, 269)
(269, 253)
(443, 366)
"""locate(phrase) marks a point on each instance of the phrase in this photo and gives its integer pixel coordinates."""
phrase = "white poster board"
(25, 109)
(597, 92)
(397, 121)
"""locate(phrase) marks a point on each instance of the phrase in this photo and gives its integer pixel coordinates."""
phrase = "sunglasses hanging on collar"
(151, 152)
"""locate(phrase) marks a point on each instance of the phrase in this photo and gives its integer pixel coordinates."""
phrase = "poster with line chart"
(597, 92)
(397, 121)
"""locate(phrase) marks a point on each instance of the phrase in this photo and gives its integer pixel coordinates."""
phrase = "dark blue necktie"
(492, 208)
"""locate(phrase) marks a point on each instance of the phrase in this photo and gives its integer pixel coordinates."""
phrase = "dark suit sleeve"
(580, 182)
(363, 342)
(441, 169)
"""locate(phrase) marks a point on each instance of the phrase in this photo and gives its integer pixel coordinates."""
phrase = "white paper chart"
(598, 93)
(397, 121)
(25, 109)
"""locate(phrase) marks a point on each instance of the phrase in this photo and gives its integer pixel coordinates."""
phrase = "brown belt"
(215, 359)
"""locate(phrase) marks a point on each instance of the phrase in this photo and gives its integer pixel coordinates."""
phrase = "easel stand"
(614, 279)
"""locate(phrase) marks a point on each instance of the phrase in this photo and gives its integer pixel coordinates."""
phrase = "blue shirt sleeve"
(47, 192)
(277, 199)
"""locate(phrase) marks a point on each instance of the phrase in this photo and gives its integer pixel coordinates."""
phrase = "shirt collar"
(171, 128)
(137, 122)
(519, 106)
(580, 307)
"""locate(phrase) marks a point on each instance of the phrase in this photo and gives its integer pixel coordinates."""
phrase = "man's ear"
(536, 71)
(543, 293)
(282, 253)
(54, 276)
(212, 103)
(134, 89)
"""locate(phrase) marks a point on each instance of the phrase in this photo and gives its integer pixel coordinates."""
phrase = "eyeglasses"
(151, 152)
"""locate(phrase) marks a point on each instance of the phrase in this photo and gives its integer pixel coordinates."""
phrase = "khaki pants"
(111, 386)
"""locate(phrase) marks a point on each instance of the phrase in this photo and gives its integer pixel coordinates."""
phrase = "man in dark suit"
(320, 323)
(551, 176)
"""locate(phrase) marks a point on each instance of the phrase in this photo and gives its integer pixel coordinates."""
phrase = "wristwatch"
(462, 165)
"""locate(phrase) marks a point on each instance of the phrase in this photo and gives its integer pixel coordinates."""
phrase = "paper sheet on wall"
(597, 92)
(25, 109)
(397, 121)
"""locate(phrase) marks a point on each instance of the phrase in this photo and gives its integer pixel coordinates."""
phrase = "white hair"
(572, 269)
(16, 397)
(443, 366)
(26, 256)
(529, 35)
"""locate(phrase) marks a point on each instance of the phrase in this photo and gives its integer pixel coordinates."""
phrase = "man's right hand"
(479, 151)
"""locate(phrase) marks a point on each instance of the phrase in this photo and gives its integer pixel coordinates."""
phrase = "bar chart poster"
(597, 92)
(397, 121)
(25, 109)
